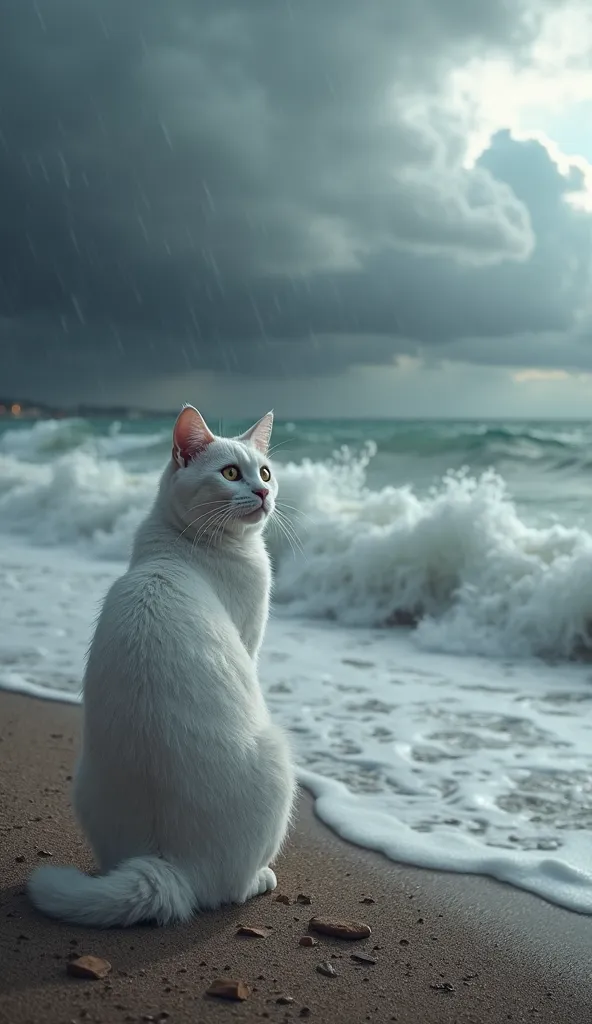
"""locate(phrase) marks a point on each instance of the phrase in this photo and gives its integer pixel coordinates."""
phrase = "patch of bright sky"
(549, 97)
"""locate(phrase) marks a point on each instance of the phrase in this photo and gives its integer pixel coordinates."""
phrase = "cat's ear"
(260, 433)
(191, 436)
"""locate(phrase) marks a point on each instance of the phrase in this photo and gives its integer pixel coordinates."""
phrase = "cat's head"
(220, 484)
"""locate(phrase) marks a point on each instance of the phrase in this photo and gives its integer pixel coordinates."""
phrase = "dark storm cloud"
(263, 187)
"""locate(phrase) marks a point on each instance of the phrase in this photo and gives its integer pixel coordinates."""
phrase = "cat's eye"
(231, 473)
(265, 474)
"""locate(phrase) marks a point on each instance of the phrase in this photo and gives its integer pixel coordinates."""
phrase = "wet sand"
(449, 949)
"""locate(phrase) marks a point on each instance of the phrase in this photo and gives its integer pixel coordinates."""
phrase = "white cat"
(184, 787)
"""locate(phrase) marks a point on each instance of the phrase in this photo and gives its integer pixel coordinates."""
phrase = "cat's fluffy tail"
(140, 889)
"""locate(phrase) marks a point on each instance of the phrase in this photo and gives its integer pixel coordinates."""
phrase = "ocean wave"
(458, 563)
(484, 444)
(50, 438)
(45, 437)
(423, 439)
(77, 499)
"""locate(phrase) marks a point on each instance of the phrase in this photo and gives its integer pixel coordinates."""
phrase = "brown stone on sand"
(91, 967)
(283, 899)
(363, 958)
(226, 988)
(253, 933)
(303, 898)
(340, 929)
(307, 940)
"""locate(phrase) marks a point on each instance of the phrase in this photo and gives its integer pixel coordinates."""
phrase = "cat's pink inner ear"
(191, 436)
(260, 433)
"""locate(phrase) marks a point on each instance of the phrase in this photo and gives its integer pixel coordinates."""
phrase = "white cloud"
(532, 97)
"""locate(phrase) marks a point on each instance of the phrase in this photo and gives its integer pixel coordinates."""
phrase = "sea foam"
(459, 562)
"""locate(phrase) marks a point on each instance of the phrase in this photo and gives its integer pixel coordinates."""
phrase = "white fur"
(184, 787)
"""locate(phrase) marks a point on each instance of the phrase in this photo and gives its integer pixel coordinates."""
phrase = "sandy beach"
(448, 948)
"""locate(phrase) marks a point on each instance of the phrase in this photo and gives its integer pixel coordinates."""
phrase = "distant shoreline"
(22, 409)
(14, 409)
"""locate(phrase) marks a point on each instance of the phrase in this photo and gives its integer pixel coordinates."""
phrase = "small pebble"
(225, 988)
(327, 969)
(254, 933)
(91, 967)
(363, 958)
(340, 929)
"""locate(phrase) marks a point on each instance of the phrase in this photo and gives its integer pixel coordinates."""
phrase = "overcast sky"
(333, 207)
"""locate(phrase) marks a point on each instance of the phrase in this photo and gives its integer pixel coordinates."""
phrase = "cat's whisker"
(201, 504)
(197, 519)
(275, 447)
(218, 525)
(277, 525)
(220, 528)
(293, 508)
(215, 525)
(289, 528)
(288, 525)
(282, 529)
(292, 538)
(208, 516)
(210, 523)
(283, 515)
(192, 523)
(289, 532)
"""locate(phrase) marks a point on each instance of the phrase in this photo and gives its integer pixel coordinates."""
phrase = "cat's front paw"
(264, 881)
(267, 880)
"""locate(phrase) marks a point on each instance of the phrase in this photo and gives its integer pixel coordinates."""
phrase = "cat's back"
(161, 610)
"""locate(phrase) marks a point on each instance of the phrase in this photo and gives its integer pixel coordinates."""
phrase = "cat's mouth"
(255, 514)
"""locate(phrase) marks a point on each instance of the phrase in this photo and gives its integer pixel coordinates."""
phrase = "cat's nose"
(261, 493)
